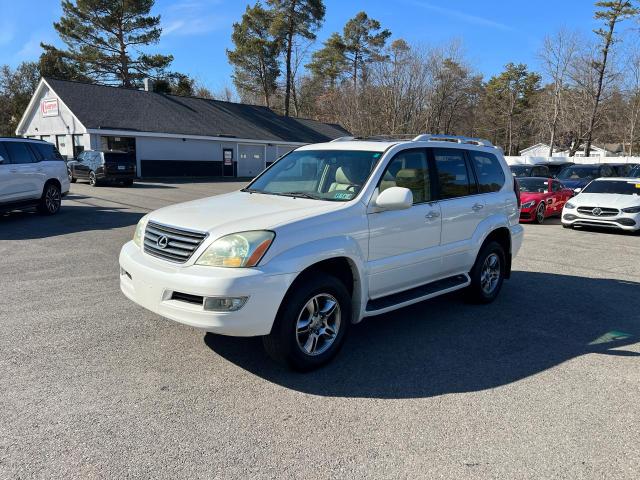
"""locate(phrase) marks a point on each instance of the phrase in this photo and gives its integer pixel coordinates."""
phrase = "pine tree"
(612, 13)
(105, 38)
(330, 62)
(293, 19)
(255, 57)
(363, 42)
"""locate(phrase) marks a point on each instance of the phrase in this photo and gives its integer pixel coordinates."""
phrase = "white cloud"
(465, 17)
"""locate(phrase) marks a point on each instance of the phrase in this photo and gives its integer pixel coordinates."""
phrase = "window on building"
(78, 145)
(61, 144)
(118, 144)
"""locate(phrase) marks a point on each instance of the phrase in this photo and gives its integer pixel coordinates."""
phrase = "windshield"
(519, 171)
(533, 185)
(576, 173)
(335, 175)
(614, 187)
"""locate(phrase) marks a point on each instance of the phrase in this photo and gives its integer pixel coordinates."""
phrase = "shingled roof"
(112, 108)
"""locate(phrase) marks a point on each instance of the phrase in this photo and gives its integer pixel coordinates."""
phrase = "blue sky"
(196, 32)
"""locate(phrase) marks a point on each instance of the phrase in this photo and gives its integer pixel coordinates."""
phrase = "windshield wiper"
(300, 195)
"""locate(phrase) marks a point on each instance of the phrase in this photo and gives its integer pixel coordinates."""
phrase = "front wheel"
(540, 213)
(93, 181)
(72, 179)
(51, 200)
(311, 324)
(487, 274)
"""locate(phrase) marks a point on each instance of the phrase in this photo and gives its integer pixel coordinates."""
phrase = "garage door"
(250, 160)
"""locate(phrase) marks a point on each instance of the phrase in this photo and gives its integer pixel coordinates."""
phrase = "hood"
(528, 196)
(577, 183)
(239, 211)
(610, 200)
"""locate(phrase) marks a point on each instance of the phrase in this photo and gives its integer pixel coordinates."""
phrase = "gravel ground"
(543, 383)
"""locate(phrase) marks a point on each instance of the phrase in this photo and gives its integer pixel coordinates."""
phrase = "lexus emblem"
(162, 242)
(597, 211)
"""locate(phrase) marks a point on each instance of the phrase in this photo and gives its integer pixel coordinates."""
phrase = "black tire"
(570, 227)
(72, 179)
(540, 213)
(93, 181)
(477, 291)
(284, 343)
(127, 183)
(51, 199)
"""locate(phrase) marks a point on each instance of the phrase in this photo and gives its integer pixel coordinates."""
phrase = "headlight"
(244, 249)
(529, 204)
(631, 209)
(569, 206)
(138, 236)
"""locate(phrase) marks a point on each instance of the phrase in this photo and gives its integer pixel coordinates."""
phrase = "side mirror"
(577, 190)
(395, 198)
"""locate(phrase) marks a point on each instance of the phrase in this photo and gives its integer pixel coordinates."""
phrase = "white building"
(537, 150)
(170, 135)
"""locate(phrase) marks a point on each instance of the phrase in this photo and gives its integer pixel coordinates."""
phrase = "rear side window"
(19, 152)
(47, 151)
(453, 175)
(489, 171)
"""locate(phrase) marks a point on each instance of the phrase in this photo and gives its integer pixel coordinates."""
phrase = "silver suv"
(32, 174)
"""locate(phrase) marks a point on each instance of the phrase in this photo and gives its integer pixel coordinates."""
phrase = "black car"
(623, 169)
(579, 176)
(635, 173)
(103, 167)
(530, 171)
(556, 168)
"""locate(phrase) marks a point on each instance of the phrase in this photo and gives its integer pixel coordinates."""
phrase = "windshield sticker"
(344, 195)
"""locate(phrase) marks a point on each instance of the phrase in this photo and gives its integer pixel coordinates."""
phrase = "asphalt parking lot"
(543, 383)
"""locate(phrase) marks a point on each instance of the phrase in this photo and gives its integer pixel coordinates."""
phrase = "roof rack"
(429, 137)
(425, 137)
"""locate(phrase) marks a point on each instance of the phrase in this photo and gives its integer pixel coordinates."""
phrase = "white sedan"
(605, 202)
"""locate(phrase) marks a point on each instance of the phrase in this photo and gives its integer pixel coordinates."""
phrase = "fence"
(511, 160)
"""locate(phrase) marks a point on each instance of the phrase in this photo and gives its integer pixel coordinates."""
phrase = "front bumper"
(150, 282)
(528, 215)
(624, 221)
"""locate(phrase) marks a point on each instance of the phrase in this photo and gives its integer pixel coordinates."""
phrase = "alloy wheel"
(318, 324)
(490, 275)
(52, 199)
(540, 213)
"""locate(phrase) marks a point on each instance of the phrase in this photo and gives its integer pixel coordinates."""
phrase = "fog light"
(224, 304)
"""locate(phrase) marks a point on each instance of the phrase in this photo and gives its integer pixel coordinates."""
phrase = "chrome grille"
(604, 212)
(178, 246)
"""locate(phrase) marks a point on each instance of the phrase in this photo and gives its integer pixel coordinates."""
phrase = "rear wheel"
(540, 213)
(51, 200)
(127, 183)
(487, 274)
(311, 324)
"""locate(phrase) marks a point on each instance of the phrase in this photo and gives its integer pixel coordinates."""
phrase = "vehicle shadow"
(447, 346)
(28, 225)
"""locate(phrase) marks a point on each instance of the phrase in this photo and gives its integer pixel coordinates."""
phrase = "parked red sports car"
(542, 198)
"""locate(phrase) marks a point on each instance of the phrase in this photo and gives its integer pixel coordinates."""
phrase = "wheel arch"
(55, 181)
(345, 269)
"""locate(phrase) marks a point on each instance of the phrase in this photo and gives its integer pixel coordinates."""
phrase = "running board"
(416, 294)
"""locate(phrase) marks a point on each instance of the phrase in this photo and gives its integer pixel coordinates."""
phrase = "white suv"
(32, 174)
(329, 234)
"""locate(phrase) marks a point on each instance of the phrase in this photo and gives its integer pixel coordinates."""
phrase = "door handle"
(431, 215)
(477, 207)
